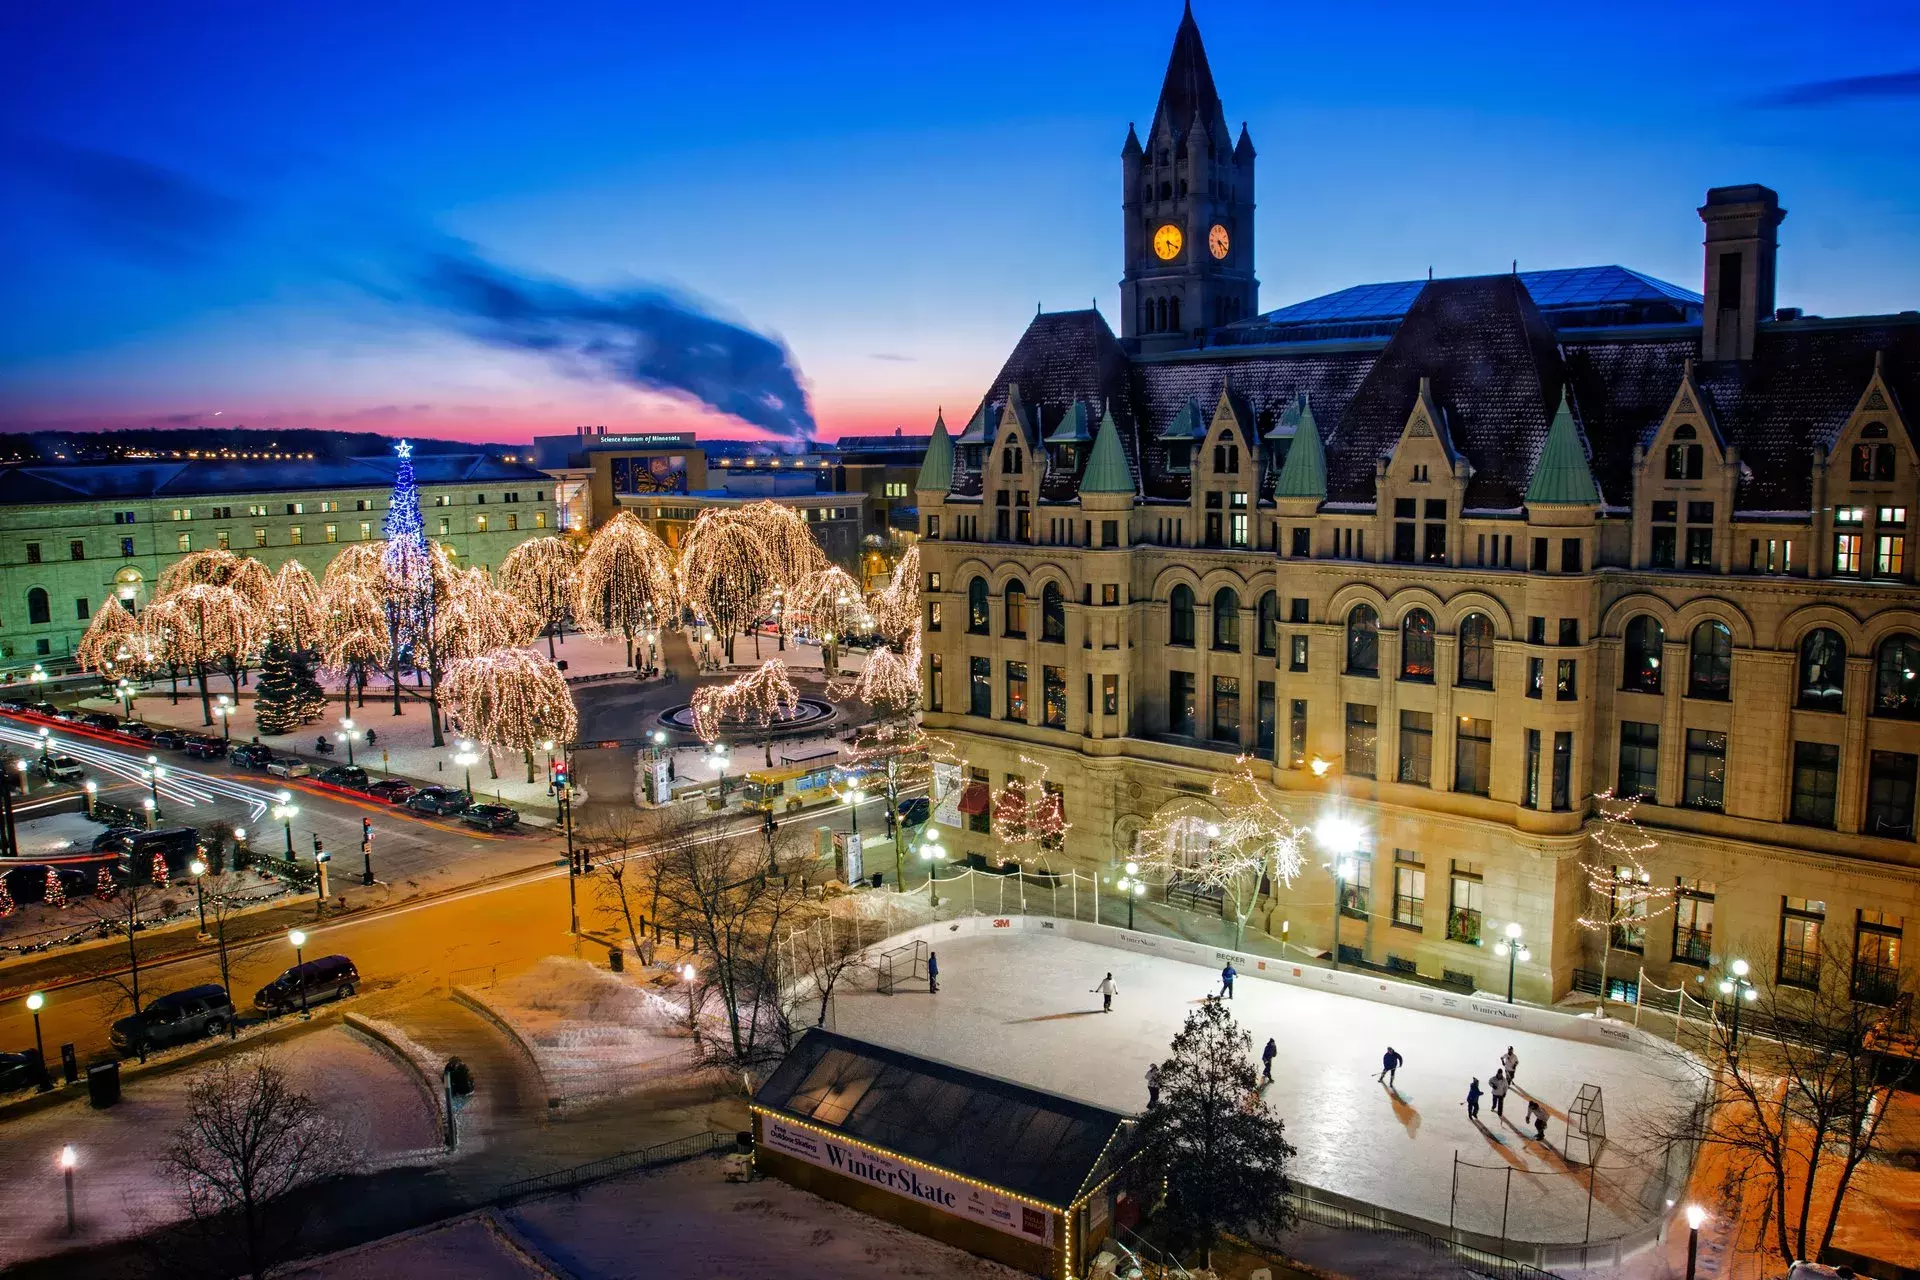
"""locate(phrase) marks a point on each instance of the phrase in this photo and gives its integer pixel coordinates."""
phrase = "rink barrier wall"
(407, 1052)
(473, 1000)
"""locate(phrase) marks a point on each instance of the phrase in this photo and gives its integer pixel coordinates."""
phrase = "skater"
(933, 972)
(1498, 1088)
(1473, 1099)
(1389, 1064)
(1106, 990)
(1267, 1056)
(1537, 1117)
(1153, 1084)
(1510, 1063)
(1227, 976)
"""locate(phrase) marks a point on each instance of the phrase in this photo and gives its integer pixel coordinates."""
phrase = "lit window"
(366, 531)
(1893, 515)
(294, 535)
(186, 542)
(225, 543)
(259, 537)
(480, 524)
(1889, 555)
(539, 519)
(1849, 515)
(444, 526)
(513, 520)
(333, 533)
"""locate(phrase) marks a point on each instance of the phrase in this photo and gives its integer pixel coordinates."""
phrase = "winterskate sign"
(949, 1195)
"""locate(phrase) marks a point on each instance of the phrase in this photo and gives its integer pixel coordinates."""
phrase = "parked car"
(59, 768)
(913, 811)
(115, 838)
(175, 1018)
(392, 790)
(67, 715)
(204, 746)
(350, 776)
(135, 729)
(328, 978)
(105, 721)
(13, 704)
(439, 800)
(18, 1071)
(288, 767)
(43, 708)
(491, 817)
(170, 739)
(250, 755)
(177, 845)
(29, 883)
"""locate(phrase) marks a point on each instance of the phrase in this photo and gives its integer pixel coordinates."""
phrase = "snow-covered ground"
(474, 1247)
(1018, 1006)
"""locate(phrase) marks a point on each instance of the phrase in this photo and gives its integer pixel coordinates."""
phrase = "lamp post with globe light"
(1696, 1218)
(299, 940)
(1739, 990)
(349, 735)
(198, 870)
(1131, 885)
(466, 757)
(67, 1161)
(933, 855)
(689, 975)
(46, 742)
(36, 1002)
(1340, 838)
(1513, 951)
(124, 688)
(154, 771)
(284, 813)
(89, 789)
(223, 709)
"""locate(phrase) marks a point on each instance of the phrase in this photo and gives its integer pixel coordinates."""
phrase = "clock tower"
(1187, 202)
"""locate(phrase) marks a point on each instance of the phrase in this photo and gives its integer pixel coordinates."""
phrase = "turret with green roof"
(1107, 469)
(1304, 474)
(1561, 475)
(936, 469)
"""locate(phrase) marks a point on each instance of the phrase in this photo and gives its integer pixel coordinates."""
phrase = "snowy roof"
(1036, 1144)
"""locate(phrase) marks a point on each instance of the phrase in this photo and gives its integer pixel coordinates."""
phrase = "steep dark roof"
(26, 485)
(1063, 356)
(1188, 88)
(1038, 1144)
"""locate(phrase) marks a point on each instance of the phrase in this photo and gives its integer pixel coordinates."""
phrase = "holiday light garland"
(295, 605)
(625, 582)
(511, 698)
(728, 572)
(758, 698)
(1622, 894)
(543, 573)
(1029, 817)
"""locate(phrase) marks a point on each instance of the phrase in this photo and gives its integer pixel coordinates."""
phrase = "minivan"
(175, 1019)
(328, 978)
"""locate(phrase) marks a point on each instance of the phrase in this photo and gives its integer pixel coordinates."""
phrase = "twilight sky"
(449, 219)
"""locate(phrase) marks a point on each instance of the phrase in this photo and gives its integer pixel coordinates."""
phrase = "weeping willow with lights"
(353, 634)
(1235, 845)
(511, 698)
(105, 638)
(896, 611)
(295, 607)
(758, 699)
(219, 568)
(543, 574)
(728, 573)
(204, 627)
(794, 554)
(828, 602)
(625, 584)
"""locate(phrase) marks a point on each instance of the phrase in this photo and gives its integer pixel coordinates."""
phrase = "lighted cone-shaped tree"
(56, 890)
(296, 607)
(793, 554)
(103, 886)
(757, 700)
(6, 900)
(1234, 845)
(354, 637)
(828, 600)
(283, 699)
(625, 585)
(204, 627)
(543, 574)
(1622, 894)
(513, 699)
(106, 636)
(727, 572)
(161, 879)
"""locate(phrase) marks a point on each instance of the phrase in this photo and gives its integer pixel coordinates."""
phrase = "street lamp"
(89, 788)
(349, 735)
(466, 757)
(35, 1003)
(1512, 950)
(299, 940)
(21, 765)
(1341, 838)
(223, 710)
(688, 974)
(284, 813)
(1696, 1218)
(146, 802)
(1131, 885)
(933, 855)
(154, 771)
(720, 755)
(1739, 990)
(125, 689)
(46, 741)
(198, 870)
(67, 1160)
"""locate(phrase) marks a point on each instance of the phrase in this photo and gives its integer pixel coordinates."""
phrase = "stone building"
(1451, 557)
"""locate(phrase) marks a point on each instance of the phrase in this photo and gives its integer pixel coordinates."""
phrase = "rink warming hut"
(995, 1168)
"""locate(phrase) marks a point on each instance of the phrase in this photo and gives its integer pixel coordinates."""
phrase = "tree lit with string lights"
(544, 574)
(513, 699)
(354, 637)
(106, 638)
(728, 573)
(205, 627)
(1235, 844)
(296, 607)
(756, 700)
(625, 585)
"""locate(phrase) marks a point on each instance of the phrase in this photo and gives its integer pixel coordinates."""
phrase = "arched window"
(1710, 662)
(1416, 646)
(1646, 642)
(1053, 614)
(1161, 320)
(977, 607)
(1269, 624)
(1363, 641)
(1180, 615)
(1896, 678)
(1683, 460)
(1476, 651)
(1015, 595)
(1173, 309)
(1823, 670)
(37, 611)
(1226, 459)
(1166, 191)
(1226, 619)
(1011, 461)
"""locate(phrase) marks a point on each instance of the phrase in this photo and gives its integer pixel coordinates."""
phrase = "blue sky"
(208, 196)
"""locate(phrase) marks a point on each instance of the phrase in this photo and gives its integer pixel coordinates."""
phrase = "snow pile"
(592, 1032)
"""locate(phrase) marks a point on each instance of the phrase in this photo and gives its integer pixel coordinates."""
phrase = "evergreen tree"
(6, 900)
(103, 887)
(56, 891)
(1221, 1153)
(309, 699)
(161, 880)
(277, 698)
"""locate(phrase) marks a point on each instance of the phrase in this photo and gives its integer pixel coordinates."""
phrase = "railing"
(653, 1157)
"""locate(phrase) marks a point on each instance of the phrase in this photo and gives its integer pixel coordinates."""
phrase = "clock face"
(1166, 242)
(1217, 241)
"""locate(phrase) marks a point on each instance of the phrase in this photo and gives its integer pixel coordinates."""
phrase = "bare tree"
(626, 882)
(1802, 1101)
(822, 952)
(248, 1138)
(128, 908)
(1622, 895)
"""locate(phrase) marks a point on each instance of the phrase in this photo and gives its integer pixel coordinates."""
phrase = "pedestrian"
(1153, 1084)
(1510, 1063)
(1537, 1117)
(1267, 1056)
(372, 737)
(1226, 981)
(1473, 1099)
(1106, 990)
(933, 972)
(1498, 1088)
(1389, 1064)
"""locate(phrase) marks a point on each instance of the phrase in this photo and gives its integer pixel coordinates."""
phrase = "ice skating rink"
(1018, 1006)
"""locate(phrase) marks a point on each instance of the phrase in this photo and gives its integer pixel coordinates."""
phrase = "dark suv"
(204, 746)
(175, 1019)
(251, 755)
(328, 978)
(350, 776)
(439, 800)
(491, 817)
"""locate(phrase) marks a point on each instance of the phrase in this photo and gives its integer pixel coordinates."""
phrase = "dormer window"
(1226, 459)
(1873, 457)
(1011, 462)
(1179, 460)
(1685, 461)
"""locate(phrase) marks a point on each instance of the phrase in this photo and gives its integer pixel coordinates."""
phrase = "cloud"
(1827, 93)
(891, 355)
(642, 336)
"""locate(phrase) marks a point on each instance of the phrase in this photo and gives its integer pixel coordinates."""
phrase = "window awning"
(975, 799)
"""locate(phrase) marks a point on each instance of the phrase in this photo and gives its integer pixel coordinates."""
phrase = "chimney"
(1742, 247)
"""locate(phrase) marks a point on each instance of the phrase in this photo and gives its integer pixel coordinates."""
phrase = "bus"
(790, 786)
